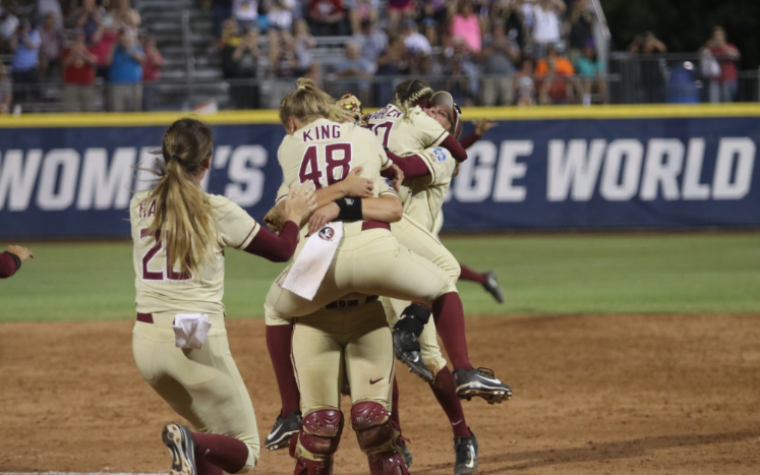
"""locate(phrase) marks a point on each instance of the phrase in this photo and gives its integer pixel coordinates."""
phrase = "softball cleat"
(179, 440)
(482, 383)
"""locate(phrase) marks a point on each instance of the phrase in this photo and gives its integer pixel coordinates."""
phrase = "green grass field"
(550, 274)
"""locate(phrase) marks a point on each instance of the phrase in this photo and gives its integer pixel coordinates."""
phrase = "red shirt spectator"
(726, 54)
(154, 61)
(79, 65)
(326, 8)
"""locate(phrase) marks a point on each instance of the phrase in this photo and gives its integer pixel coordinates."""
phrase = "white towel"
(190, 330)
(310, 267)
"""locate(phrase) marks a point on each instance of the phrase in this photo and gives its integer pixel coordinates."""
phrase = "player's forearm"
(456, 149)
(413, 166)
(469, 140)
(386, 209)
(329, 194)
(9, 264)
(275, 248)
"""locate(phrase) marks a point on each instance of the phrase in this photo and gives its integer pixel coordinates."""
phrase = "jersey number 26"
(337, 156)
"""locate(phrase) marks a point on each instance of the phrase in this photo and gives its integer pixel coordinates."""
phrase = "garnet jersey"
(324, 152)
(426, 194)
(406, 134)
(161, 287)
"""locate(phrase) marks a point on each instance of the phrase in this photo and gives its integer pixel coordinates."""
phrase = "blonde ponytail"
(183, 213)
(309, 103)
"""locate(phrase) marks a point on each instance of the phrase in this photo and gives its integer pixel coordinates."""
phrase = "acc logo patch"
(439, 154)
(327, 233)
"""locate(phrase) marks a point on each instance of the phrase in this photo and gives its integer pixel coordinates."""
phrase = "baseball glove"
(273, 220)
(352, 106)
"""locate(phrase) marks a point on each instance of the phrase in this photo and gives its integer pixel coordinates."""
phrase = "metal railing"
(630, 83)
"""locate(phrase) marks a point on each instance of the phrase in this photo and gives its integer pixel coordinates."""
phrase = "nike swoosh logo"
(471, 462)
(495, 381)
(375, 381)
(457, 422)
(274, 434)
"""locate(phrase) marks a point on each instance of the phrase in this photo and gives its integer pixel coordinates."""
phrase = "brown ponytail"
(183, 212)
(409, 92)
(309, 103)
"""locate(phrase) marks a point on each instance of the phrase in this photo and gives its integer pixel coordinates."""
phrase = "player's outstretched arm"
(298, 207)
(386, 209)
(11, 260)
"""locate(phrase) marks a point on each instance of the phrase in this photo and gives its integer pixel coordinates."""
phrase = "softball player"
(179, 341)
(11, 260)
(368, 260)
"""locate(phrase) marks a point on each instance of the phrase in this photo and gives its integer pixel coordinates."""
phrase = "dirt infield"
(612, 394)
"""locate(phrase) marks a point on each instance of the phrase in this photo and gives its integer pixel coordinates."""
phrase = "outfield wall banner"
(686, 172)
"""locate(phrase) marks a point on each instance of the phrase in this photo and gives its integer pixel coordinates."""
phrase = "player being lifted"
(367, 260)
(179, 340)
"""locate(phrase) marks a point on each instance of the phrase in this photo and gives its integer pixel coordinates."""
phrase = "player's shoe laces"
(466, 451)
(401, 442)
(283, 430)
(405, 340)
(492, 286)
(179, 440)
(481, 382)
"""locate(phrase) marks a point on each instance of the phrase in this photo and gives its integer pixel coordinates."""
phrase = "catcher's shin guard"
(377, 438)
(405, 340)
(317, 442)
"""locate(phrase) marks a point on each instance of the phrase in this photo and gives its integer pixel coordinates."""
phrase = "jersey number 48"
(337, 157)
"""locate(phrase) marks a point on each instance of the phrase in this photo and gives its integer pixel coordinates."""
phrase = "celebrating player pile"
(366, 260)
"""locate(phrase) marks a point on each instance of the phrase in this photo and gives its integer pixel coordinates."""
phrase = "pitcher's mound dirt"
(612, 394)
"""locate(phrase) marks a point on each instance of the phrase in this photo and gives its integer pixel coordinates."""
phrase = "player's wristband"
(16, 259)
(350, 209)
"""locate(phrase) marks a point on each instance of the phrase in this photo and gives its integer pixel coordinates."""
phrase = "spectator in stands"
(125, 74)
(647, 44)
(25, 45)
(79, 63)
(239, 54)
(562, 65)
(591, 73)
(433, 17)
(50, 7)
(280, 21)
(246, 12)
(126, 17)
(465, 25)
(51, 43)
(355, 67)
(152, 66)
(328, 17)
(304, 43)
(89, 19)
(727, 54)
(509, 11)
(8, 24)
(428, 65)
(220, 11)
(360, 11)
(6, 91)
(546, 26)
(525, 89)
(415, 42)
(286, 64)
(581, 28)
(399, 10)
(372, 41)
(394, 61)
(554, 88)
(462, 71)
(103, 39)
(499, 55)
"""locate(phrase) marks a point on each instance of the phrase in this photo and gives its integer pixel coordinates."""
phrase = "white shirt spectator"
(416, 43)
(8, 26)
(546, 27)
(50, 6)
(281, 14)
(246, 10)
(373, 44)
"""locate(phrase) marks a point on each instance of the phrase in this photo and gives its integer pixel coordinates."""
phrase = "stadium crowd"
(486, 52)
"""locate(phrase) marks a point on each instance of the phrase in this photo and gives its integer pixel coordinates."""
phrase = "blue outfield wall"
(553, 173)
